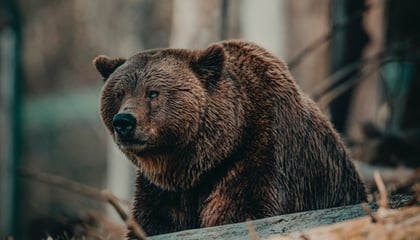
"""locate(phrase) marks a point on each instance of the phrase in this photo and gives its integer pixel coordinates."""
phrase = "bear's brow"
(156, 74)
(129, 78)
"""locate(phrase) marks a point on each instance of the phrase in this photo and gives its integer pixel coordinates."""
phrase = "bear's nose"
(124, 124)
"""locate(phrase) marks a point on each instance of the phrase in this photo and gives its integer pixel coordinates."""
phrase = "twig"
(64, 183)
(295, 61)
(131, 224)
(110, 227)
(339, 75)
(251, 231)
(383, 193)
(103, 196)
(328, 97)
(367, 209)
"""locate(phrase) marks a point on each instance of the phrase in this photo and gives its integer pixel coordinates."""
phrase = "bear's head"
(154, 104)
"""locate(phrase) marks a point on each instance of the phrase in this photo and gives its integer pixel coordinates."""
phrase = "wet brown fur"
(230, 137)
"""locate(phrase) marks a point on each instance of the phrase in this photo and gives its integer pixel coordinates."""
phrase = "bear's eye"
(120, 95)
(152, 94)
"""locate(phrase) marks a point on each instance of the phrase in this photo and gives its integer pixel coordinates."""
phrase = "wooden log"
(387, 224)
(284, 224)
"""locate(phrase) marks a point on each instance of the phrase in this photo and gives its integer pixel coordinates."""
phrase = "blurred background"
(359, 59)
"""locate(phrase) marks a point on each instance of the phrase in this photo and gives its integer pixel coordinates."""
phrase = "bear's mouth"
(132, 143)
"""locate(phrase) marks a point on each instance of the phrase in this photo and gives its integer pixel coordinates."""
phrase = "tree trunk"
(347, 44)
(195, 24)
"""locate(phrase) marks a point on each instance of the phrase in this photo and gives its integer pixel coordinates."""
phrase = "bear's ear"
(106, 66)
(208, 64)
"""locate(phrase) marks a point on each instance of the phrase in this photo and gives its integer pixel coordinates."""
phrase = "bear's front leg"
(158, 211)
(242, 196)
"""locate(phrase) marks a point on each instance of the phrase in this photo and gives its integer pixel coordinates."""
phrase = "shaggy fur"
(230, 137)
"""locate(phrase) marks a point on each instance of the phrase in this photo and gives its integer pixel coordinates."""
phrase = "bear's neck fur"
(207, 152)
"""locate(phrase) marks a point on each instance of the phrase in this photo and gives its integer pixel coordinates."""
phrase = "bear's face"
(163, 100)
(154, 103)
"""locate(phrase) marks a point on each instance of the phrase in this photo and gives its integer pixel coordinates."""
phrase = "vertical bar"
(402, 76)
(224, 29)
(347, 45)
(14, 158)
(6, 181)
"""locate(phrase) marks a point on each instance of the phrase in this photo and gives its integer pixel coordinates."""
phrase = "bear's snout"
(124, 125)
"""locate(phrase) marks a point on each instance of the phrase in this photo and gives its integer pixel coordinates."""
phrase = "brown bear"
(221, 135)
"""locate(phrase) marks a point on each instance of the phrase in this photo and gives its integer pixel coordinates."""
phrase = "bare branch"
(339, 75)
(383, 193)
(251, 231)
(87, 191)
(367, 209)
(294, 62)
(328, 97)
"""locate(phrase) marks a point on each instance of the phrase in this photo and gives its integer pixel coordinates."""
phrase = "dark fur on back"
(230, 137)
